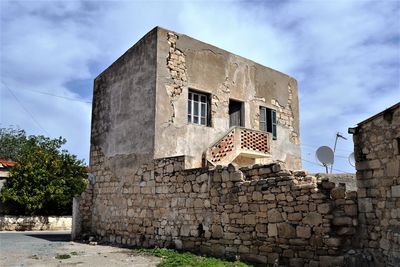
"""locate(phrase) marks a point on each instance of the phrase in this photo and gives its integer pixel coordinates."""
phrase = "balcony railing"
(237, 142)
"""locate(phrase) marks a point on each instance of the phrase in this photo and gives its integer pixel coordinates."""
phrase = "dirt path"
(42, 248)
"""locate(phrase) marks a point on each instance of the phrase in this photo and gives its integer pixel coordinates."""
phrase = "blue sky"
(344, 54)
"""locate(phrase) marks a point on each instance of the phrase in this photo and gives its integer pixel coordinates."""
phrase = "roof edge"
(397, 105)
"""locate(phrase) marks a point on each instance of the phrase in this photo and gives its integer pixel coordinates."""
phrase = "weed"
(63, 256)
(173, 258)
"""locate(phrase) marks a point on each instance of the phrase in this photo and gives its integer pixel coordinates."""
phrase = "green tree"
(45, 178)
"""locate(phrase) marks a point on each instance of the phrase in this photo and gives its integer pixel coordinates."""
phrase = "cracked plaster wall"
(184, 63)
(123, 109)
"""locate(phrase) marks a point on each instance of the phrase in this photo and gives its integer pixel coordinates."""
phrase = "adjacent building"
(377, 154)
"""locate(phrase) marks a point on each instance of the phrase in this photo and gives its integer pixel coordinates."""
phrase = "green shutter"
(273, 120)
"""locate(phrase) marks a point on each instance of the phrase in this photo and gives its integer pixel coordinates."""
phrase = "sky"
(345, 56)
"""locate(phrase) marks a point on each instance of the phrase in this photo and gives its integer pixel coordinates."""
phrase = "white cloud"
(345, 55)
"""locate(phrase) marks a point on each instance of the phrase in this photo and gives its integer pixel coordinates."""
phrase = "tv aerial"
(325, 155)
(338, 135)
(352, 161)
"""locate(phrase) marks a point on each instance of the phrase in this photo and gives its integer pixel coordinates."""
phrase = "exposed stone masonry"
(285, 115)
(261, 213)
(377, 145)
(176, 66)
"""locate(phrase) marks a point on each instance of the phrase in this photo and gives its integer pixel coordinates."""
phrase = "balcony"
(240, 145)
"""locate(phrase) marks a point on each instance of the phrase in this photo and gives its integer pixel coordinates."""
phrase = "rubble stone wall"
(261, 213)
(34, 223)
(377, 154)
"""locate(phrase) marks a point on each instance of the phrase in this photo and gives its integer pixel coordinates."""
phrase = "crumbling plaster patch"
(285, 114)
(176, 64)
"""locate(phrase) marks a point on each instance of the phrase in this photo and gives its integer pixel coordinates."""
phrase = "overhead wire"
(25, 109)
(89, 102)
(54, 95)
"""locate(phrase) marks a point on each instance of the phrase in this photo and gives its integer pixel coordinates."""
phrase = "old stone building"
(171, 95)
(377, 154)
(196, 148)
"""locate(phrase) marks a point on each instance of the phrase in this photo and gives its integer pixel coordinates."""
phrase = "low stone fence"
(34, 223)
(263, 213)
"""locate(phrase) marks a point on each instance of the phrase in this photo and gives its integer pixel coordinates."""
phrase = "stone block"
(269, 197)
(328, 185)
(217, 231)
(225, 176)
(185, 230)
(265, 170)
(296, 262)
(338, 192)
(365, 205)
(368, 165)
(333, 242)
(274, 216)
(286, 230)
(346, 231)
(294, 216)
(276, 168)
(244, 249)
(261, 228)
(342, 221)
(324, 208)
(393, 168)
(255, 258)
(257, 196)
(272, 230)
(242, 199)
(303, 231)
(202, 178)
(395, 189)
(350, 210)
(273, 258)
(250, 219)
(217, 250)
(313, 219)
(236, 176)
(198, 203)
(331, 261)
(187, 188)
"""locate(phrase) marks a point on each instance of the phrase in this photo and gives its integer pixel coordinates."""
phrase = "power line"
(311, 146)
(311, 162)
(54, 95)
(323, 166)
(26, 110)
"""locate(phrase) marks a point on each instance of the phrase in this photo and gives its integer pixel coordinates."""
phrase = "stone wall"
(348, 179)
(34, 223)
(377, 154)
(261, 213)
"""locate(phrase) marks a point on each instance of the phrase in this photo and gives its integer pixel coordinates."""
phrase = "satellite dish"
(352, 161)
(325, 155)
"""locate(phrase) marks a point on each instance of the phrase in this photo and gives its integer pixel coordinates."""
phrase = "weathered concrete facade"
(140, 104)
(377, 154)
(184, 64)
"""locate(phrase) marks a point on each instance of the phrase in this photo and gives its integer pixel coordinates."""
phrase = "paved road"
(41, 249)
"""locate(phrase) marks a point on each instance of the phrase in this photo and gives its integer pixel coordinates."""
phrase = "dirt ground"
(42, 249)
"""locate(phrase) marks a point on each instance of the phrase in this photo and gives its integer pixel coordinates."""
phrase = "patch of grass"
(34, 257)
(173, 258)
(63, 256)
(74, 253)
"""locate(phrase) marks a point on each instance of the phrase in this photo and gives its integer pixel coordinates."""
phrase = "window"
(268, 121)
(198, 108)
